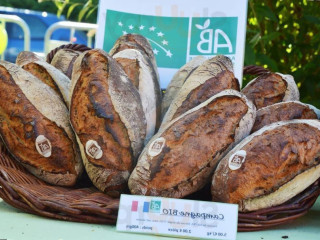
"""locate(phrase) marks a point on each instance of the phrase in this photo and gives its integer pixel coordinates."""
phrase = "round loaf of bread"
(178, 80)
(35, 127)
(182, 156)
(271, 88)
(45, 72)
(107, 116)
(270, 166)
(210, 78)
(281, 112)
(144, 79)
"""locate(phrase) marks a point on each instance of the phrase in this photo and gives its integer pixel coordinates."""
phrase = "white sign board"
(177, 217)
(178, 30)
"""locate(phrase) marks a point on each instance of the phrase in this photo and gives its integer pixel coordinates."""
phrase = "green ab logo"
(175, 40)
(212, 36)
(206, 39)
(155, 206)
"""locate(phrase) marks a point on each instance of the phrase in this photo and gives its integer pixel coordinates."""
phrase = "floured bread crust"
(141, 75)
(281, 112)
(35, 127)
(210, 78)
(280, 159)
(178, 80)
(142, 45)
(106, 113)
(271, 88)
(48, 74)
(168, 167)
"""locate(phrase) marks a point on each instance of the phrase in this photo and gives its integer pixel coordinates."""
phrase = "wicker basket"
(86, 204)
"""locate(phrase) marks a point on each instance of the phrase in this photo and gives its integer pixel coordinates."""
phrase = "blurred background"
(282, 35)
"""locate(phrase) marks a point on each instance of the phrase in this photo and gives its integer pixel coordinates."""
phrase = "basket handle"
(255, 70)
(76, 47)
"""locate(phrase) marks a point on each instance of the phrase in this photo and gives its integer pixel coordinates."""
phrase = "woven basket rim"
(24, 191)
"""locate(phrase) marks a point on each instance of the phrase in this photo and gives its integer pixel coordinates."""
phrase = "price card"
(177, 217)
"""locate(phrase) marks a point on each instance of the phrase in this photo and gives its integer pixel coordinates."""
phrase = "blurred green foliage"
(282, 35)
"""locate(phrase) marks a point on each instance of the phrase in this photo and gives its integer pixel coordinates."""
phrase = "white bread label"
(43, 146)
(237, 159)
(93, 149)
(156, 147)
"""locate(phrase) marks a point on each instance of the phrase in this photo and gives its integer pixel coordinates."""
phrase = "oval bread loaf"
(48, 74)
(270, 166)
(281, 112)
(143, 78)
(141, 44)
(210, 78)
(271, 88)
(35, 127)
(64, 60)
(178, 80)
(108, 118)
(181, 157)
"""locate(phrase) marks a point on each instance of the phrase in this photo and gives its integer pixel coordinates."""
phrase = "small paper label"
(237, 159)
(93, 149)
(43, 146)
(177, 217)
(156, 147)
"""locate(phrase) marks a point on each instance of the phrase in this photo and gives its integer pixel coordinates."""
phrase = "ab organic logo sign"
(212, 36)
(175, 40)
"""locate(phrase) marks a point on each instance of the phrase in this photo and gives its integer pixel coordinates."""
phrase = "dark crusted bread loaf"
(45, 72)
(178, 80)
(35, 127)
(107, 116)
(181, 157)
(271, 88)
(281, 112)
(210, 78)
(270, 166)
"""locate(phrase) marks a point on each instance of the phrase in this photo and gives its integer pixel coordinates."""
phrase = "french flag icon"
(134, 206)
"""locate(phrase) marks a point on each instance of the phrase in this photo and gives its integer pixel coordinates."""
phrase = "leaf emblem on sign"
(205, 25)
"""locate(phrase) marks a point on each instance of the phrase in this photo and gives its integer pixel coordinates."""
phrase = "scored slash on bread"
(107, 116)
(35, 127)
(210, 78)
(281, 112)
(143, 78)
(270, 166)
(177, 82)
(181, 157)
(45, 72)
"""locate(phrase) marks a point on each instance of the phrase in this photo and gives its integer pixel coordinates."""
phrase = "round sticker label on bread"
(156, 147)
(43, 146)
(93, 149)
(237, 159)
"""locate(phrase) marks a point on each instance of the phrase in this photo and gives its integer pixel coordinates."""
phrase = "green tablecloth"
(18, 225)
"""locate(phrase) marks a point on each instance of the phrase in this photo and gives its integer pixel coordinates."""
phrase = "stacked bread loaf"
(257, 147)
